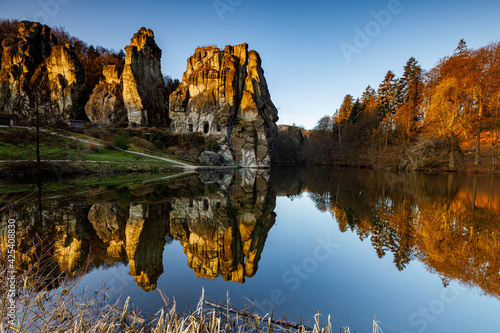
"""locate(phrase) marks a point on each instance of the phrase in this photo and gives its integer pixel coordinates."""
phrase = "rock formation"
(224, 93)
(143, 87)
(65, 79)
(105, 105)
(21, 57)
(33, 67)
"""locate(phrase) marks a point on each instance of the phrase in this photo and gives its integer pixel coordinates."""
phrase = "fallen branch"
(243, 313)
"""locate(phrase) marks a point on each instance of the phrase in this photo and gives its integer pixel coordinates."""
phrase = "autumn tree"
(484, 82)
(445, 109)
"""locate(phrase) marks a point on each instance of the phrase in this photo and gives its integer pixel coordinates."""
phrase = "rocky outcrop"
(143, 87)
(211, 158)
(105, 105)
(224, 94)
(34, 69)
(21, 58)
(65, 79)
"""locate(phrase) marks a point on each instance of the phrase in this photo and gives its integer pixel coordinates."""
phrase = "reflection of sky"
(352, 284)
(299, 41)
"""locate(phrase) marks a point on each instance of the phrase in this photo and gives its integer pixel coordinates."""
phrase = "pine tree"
(387, 93)
(410, 89)
(344, 114)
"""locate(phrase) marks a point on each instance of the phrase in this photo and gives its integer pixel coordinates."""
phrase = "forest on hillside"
(445, 118)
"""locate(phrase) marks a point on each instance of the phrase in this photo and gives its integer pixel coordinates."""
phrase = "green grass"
(119, 156)
(19, 144)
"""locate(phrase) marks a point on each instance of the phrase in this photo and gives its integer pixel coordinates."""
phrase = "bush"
(159, 145)
(92, 147)
(143, 143)
(108, 146)
(213, 145)
(121, 139)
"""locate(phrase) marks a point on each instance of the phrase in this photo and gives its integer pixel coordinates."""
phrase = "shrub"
(121, 139)
(92, 147)
(213, 145)
(159, 145)
(108, 145)
(143, 143)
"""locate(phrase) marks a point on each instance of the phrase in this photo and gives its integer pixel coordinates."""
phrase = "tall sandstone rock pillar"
(143, 88)
(224, 94)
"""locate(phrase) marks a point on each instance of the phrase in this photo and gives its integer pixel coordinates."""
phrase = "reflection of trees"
(449, 222)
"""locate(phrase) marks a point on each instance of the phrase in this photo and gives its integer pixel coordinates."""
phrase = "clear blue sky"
(300, 42)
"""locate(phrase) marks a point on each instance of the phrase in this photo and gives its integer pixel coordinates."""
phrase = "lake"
(418, 251)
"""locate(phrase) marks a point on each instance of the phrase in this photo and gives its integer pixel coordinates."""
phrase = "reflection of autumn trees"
(462, 242)
(451, 223)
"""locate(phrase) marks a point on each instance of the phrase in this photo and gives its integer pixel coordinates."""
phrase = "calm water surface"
(419, 252)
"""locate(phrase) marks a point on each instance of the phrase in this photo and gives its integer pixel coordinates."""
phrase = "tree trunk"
(478, 138)
(452, 151)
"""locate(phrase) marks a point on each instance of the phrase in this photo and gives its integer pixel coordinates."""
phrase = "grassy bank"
(19, 145)
(65, 156)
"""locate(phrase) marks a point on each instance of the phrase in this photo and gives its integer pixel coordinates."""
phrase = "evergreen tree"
(368, 96)
(387, 93)
(344, 113)
(411, 86)
(356, 111)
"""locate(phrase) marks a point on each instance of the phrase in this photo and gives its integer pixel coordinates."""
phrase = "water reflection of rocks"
(221, 220)
(224, 233)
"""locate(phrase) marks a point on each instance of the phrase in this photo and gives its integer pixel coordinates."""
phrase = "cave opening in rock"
(206, 128)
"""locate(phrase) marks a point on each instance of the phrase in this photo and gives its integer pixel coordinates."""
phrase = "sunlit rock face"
(143, 87)
(35, 69)
(65, 79)
(224, 234)
(21, 58)
(105, 105)
(224, 94)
